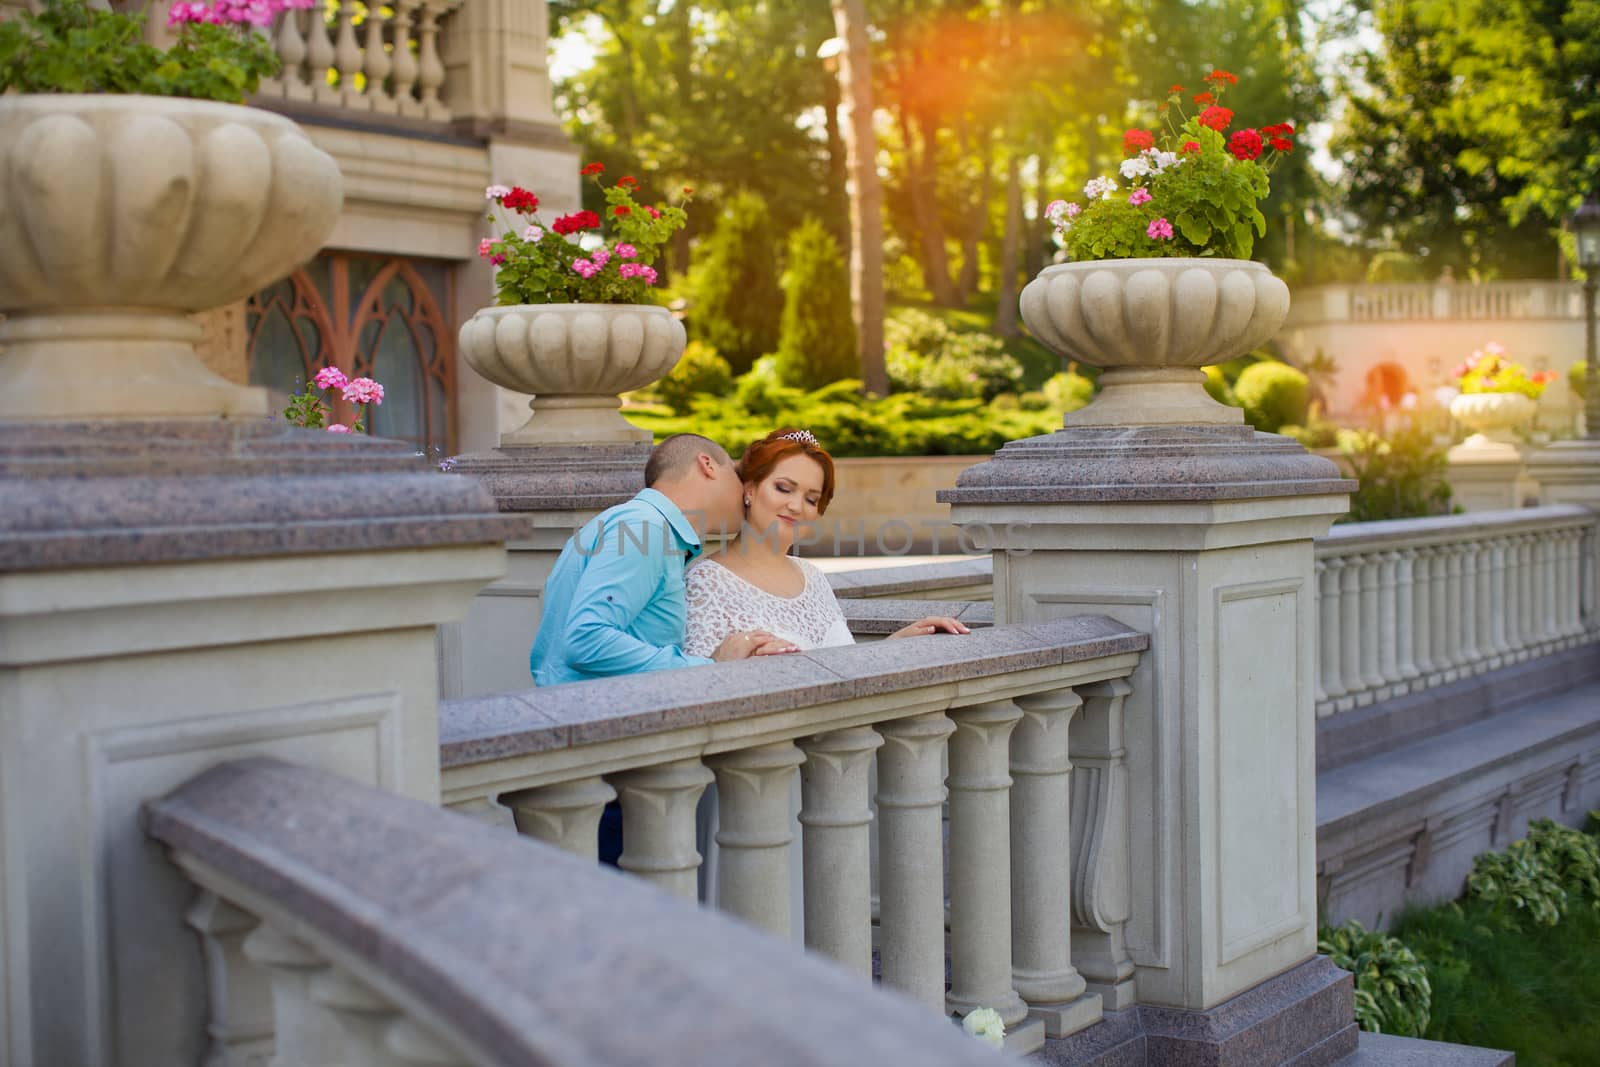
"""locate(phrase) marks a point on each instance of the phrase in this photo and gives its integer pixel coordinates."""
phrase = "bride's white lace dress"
(720, 603)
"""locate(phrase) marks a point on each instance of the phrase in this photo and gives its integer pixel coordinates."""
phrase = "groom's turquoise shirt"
(614, 603)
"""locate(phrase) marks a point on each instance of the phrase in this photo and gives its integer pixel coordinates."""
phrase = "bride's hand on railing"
(931, 625)
(743, 644)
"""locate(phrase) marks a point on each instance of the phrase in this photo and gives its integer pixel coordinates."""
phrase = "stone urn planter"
(1492, 417)
(575, 359)
(122, 215)
(1151, 324)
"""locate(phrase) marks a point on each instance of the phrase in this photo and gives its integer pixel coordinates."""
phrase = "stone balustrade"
(987, 718)
(1408, 605)
(1439, 301)
(384, 60)
(344, 925)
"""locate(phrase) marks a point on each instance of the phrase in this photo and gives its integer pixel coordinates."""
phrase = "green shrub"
(817, 338)
(1540, 876)
(1578, 378)
(1273, 395)
(700, 370)
(1217, 387)
(924, 355)
(1401, 477)
(1316, 433)
(1068, 391)
(1393, 995)
(735, 298)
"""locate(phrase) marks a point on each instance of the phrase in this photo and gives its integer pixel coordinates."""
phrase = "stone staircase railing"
(997, 707)
(1408, 605)
(345, 925)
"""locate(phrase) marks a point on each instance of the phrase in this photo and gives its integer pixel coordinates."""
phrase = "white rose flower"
(985, 1025)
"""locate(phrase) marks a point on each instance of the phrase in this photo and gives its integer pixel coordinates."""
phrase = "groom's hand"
(746, 643)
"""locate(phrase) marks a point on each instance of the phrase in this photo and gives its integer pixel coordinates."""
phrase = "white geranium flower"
(1099, 188)
(1137, 167)
(985, 1025)
(1162, 160)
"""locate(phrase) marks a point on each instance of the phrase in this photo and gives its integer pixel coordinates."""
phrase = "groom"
(614, 603)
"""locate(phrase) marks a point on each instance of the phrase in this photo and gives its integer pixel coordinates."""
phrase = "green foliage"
(1272, 395)
(306, 409)
(734, 289)
(699, 370)
(1218, 387)
(923, 354)
(1538, 878)
(817, 337)
(1069, 391)
(1578, 379)
(1402, 476)
(1393, 995)
(68, 47)
(1316, 433)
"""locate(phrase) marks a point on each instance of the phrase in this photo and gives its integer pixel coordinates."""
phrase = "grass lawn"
(1534, 993)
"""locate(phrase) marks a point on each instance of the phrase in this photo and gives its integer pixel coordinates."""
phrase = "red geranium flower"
(1282, 144)
(628, 179)
(688, 190)
(1217, 118)
(1136, 141)
(1220, 77)
(1175, 90)
(1204, 98)
(593, 168)
(621, 209)
(1245, 144)
(1191, 146)
(579, 220)
(519, 199)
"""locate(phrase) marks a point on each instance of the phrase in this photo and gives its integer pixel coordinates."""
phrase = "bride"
(753, 583)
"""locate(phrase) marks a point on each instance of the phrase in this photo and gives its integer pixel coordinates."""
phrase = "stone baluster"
(980, 861)
(911, 856)
(1350, 631)
(1512, 597)
(1102, 876)
(364, 1016)
(319, 57)
(1527, 613)
(836, 827)
(1371, 676)
(1573, 583)
(566, 815)
(1454, 622)
(1591, 578)
(291, 48)
(1549, 613)
(1422, 599)
(347, 57)
(430, 68)
(658, 823)
(405, 63)
(304, 1032)
(239, 994)
(1492, 602)
(1388, 625)
(1330, 679)
(1472, 661)
(375, 63)
(753, 788)
(1041, 866)
(411, 1046)
(1486, 606)
(1443, 629)
(1405, 606)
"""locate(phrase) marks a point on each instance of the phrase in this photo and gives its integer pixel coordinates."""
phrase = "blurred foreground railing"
(344, 925)
(1008, 703)
(1408, 605)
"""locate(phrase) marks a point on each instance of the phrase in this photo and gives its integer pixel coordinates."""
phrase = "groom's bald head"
(675, 457)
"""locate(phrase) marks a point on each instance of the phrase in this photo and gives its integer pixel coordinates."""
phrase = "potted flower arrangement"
(574, 323)
(1160, 281)
(1496, 395)
(139, 191)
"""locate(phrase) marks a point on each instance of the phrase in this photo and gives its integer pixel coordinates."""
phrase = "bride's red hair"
(756, 465)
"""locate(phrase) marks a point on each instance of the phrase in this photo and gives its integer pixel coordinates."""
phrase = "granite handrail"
(989, 715)
(956, 579)
(379, 929)
(1408, 605)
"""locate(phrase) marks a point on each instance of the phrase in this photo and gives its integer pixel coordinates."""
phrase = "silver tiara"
(805, 437)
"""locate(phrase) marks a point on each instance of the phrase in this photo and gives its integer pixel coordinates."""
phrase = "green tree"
(734, 295)
(817, 341)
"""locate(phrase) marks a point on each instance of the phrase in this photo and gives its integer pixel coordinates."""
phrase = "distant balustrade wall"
(988, 719)
(1408, 605)
(1438, 301)
(344, 925)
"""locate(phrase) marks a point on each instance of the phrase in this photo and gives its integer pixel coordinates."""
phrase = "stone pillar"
(1491, 476)
(753, 789)
(658, 824)
(836, 815)
(175, 594)
(566, 815)
(1201, 536)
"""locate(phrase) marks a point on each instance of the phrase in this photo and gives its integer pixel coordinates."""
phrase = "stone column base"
(1304, 1017)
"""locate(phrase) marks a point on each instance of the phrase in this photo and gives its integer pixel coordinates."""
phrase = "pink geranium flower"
(1160, 230)
(363, 391)
(1140, 196)
(338, 427)
(330, 378)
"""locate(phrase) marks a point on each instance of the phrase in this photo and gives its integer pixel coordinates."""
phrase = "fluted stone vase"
(575, 359)
(1151, 324)
(120, 215)
(1492, 417)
